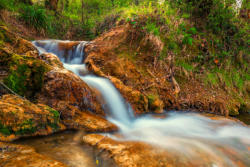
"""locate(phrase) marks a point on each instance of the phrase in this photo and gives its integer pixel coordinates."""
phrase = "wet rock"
(132, 63)
(138, 154)
(52, 60)
(14, 43)
(89, 123)
(19, 117)
(62, 86)
(24, 70)
(12, 155)
(111, 56)
(43, 79)
(68, 94)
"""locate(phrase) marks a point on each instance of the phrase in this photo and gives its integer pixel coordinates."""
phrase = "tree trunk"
(26, 1)
(51, 4)
(82, 11)
(136, 2)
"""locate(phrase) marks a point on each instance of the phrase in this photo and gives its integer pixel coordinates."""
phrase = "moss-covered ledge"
(19, 117)
(20, 60)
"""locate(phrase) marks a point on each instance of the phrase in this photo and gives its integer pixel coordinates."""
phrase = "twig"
(6, 87)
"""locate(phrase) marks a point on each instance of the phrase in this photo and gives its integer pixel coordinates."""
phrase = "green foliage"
(7, 4)
(187, 33)
(3, 4)
(211, 79)
(35, 16)
(185, 65)
(221, 18)
(151, 27)
(54, 126)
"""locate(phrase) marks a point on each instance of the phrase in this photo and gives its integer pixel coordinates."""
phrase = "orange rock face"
(52, 60)
(132, 63)
(63, 86)
(43, 79)
(139, 154)
(19, 156)
(113, 57)
(19, 117)
(67, 45)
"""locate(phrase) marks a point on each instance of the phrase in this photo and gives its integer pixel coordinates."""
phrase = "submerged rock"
(12, 155)
(19, 117)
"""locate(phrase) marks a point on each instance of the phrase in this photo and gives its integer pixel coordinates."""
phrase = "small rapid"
(190, 135)
(72, 59)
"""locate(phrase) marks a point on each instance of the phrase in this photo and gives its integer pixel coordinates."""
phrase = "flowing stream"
(189, 134)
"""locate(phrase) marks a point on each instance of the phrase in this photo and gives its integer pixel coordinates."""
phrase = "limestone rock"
(12, 155)
(63, 86)
(140, 154)
(19, 117)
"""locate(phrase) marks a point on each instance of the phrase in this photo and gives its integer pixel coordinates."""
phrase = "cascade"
(188, 134)
(116, 105)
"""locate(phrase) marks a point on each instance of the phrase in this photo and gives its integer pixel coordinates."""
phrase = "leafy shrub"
(3, 4)
(187, 34)
(220, 19)
(35, 16)
(151, 27)
(6, 4)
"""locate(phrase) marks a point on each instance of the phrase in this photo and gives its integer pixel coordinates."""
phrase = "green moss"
(151, 99)
(27, 127)
(55, 113)
(26, 74)
(17, 79)
(54, 126)
(5, 36)
(1, 43)
(4, 130)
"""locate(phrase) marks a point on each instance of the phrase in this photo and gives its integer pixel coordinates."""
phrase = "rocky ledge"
(12, 155)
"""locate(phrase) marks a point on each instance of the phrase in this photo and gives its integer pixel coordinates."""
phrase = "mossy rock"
(155, 104)
(26, 73)
(19, 117)
(20, 59)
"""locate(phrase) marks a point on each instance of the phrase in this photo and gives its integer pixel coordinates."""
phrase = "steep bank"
(131, 63)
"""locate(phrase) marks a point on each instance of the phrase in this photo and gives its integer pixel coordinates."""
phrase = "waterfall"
(115, 104)
(69, 52)
(190, 135)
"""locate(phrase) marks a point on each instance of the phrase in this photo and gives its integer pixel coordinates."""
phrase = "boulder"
(19, 117)
(63, 86)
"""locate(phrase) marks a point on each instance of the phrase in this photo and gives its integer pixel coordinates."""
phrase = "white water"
(190, 135)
